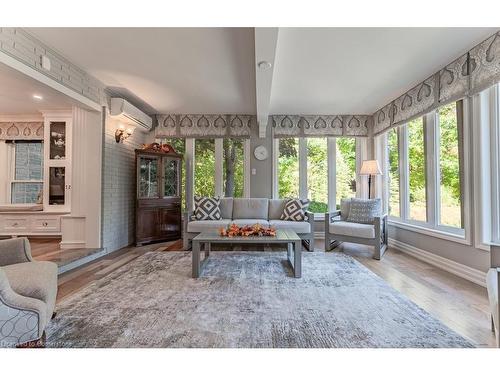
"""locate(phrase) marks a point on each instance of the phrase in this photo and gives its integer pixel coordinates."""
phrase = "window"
(393, 172)
(288, 168)
(204, 170)
(416, 170)
(317, 174)
(423, 169)
(233, 167)
(345, 162)
(449, 167)
(27, 184)
(495, 163)
(322, 169)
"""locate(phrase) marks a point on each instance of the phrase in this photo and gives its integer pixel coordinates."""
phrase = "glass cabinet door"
(57, 186)
(148, 177)
(57, 149)
(171, 177)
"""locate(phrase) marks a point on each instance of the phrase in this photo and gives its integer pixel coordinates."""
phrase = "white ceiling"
(17, 90)
(212, 70)
(173, 70)
(359, 70)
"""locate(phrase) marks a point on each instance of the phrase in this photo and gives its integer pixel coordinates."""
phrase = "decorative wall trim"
(21, 130)
(320, 125)
(469, 74)
(463, 271)
(204, 126)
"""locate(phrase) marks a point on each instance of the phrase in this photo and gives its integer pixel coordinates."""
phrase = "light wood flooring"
(458, 303)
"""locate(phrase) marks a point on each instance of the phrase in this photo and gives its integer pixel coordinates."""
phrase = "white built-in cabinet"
(57, 161)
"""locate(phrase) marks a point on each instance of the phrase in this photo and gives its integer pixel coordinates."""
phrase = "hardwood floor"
(458, 303)
(48, 249)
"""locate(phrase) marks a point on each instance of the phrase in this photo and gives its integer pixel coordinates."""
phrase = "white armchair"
(338, 229)
(493, 284)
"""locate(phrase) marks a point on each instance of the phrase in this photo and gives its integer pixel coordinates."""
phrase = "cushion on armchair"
(207, 208)
(295, 209)
(345, 206)
(364, 210)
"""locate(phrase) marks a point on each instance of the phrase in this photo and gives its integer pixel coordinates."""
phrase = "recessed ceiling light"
(264, 65)
(37, 97)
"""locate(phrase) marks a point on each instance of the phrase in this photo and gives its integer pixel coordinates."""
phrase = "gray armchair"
(493, 284)
(28, 291)
(338, 230)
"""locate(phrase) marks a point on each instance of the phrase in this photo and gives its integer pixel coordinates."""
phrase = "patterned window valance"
(204, 126)
(320, 125)
(469, 74)
(21, 130)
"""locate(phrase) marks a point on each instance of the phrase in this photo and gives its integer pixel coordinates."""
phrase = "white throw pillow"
(363, 211)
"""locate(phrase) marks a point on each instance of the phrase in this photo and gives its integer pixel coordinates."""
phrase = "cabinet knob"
(45, 223)
(15, 224)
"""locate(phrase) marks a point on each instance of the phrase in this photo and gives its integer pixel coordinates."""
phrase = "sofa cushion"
(198, 226)
(295, 209)
(345, 205)
(207, 208)
(250, 208)
(299, 227)
(35, 280)
(364, 210)
(226, 208)
(243, 222)
(276, 207)
(347, 228)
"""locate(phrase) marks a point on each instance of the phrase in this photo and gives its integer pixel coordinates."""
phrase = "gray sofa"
(249, 211)
(338, 230)
(28, 291)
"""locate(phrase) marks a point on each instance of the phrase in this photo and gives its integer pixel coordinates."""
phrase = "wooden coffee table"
(283, 236)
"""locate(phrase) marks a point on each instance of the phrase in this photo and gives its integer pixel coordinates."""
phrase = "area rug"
(245, 300)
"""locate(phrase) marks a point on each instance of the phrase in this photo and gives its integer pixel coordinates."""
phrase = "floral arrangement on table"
(257, 230)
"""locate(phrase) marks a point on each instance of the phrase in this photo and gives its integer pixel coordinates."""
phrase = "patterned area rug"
(245, 299)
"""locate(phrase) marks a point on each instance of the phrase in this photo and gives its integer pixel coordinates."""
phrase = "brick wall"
(20, 45)
(118, 193)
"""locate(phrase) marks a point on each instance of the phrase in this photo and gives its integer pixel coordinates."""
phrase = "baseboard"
(65, 245)
(458, 269)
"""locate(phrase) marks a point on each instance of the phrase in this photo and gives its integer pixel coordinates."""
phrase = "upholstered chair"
(338, 229)
(28, 292)
(493, 284)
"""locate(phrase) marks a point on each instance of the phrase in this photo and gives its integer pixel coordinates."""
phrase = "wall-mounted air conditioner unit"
(129, 114)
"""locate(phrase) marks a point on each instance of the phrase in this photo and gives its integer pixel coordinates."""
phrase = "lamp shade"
(370, 167)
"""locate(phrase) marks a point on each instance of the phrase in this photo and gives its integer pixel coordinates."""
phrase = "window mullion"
(404, 183)
(302, 168)
(432, 157)
(332, 173)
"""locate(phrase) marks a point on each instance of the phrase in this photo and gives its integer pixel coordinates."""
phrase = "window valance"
(21, 130)
(320, 125)
(469, 74)
(204, 126)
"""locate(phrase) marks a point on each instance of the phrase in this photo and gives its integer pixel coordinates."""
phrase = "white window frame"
(190, 160)
(433, 188)
(11, 151)
(495, 163)
(361, 152)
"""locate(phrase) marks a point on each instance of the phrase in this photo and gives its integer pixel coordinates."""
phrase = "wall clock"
(260, 153)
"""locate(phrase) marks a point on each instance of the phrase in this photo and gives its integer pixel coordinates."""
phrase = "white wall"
(119, 187)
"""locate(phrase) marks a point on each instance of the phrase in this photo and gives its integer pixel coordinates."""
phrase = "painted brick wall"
(20, 45)
(118, 193)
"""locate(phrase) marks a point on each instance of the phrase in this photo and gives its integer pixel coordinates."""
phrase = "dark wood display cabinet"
(158, 207)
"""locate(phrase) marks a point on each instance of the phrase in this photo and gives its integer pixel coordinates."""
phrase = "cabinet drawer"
(15, 224)
(45, 224)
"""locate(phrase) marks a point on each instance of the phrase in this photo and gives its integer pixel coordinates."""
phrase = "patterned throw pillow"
(295, 210)
(364, 210)
(207, 208)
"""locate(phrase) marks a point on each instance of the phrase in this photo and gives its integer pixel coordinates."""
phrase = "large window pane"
(346, 169)
(288, 168)
(26, 192)
(416, 166)
(393, 172)
(449, 167)
(179, 146)
(28, 166)
(204, 170)
(317, 174)
(233, 167)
